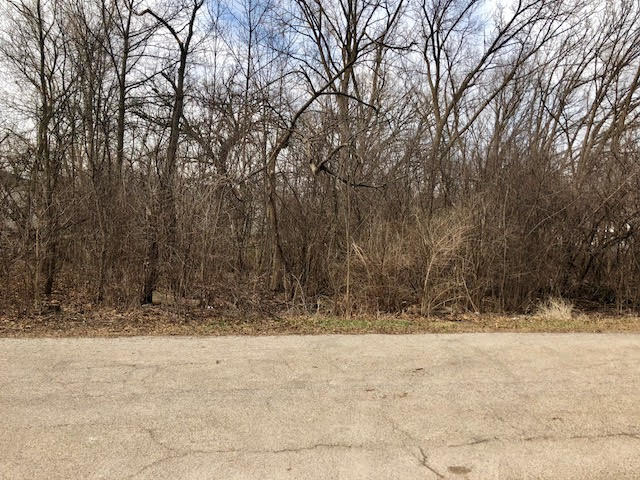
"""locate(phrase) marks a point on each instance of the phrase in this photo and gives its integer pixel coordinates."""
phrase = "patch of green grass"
(352, 324)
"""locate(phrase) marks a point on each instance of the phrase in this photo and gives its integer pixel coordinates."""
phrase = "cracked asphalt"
(467, 406)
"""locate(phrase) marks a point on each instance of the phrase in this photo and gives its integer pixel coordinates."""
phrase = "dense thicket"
(343, 155)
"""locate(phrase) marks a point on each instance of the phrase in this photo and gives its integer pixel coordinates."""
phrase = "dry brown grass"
(158, 320)
(555, 310)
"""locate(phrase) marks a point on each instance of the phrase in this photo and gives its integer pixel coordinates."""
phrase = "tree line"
(341, 155)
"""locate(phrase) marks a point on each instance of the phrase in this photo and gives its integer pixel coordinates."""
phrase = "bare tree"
(165, 210)
(345, 156)
(37, 51)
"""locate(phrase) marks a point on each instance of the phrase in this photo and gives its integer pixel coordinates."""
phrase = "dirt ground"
(165, 320)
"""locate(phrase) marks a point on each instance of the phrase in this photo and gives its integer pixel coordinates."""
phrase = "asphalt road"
(475, 406)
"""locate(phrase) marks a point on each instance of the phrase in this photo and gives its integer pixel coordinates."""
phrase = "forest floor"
(172, 320)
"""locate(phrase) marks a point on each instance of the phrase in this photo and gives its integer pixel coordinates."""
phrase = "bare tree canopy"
(341, 155)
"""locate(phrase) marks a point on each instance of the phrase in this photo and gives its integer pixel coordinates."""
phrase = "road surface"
(469, 406)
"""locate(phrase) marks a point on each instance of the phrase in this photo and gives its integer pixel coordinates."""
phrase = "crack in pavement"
(424, 461)
(314, 446)
(541, 438)
(155, 463)
(474, 442)
(633, 435)
(179, 453)
(422, 458)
